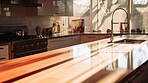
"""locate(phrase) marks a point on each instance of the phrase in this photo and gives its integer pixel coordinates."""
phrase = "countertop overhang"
(78, 63)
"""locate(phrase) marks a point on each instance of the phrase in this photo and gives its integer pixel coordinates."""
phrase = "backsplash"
(29, 21)
(25, 16)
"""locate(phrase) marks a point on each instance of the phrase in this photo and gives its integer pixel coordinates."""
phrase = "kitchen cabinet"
(55, 8)
(88, 38)
(74, 40)
(62, 42)
(38, 7)
(4, 53)
(19, 7)
(57, 43)
(103, 36)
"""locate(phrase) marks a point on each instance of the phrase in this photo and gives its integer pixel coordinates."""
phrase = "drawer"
(88, 38)
(4, 50)
(74, 40)
(4, 58)
(57, 43)
(103, 36)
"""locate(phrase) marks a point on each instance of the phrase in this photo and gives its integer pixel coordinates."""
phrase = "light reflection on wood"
(102, 55)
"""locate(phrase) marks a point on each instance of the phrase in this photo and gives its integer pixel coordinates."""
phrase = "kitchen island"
(96, 61)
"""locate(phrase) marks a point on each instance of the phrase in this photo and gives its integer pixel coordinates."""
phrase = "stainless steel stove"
(27, 47)
(22, 44)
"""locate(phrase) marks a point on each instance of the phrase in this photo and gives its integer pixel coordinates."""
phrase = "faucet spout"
(112, 37)
(112, 34)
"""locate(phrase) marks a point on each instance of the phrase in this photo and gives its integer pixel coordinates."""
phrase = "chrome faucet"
(112, 34)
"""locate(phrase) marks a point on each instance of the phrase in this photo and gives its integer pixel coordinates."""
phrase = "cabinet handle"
(1, 48)
(91, 37)
(2, 58)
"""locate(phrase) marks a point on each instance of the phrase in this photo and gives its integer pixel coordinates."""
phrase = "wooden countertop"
(97, 61)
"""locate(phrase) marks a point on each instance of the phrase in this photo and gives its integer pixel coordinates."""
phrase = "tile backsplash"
(24, 16)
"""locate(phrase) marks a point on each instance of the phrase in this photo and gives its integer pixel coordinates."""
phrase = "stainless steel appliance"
(21, 44)
(27, 47)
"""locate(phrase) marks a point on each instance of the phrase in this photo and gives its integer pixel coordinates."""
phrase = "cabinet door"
(46, 9)
(74, 40)
(4, 58)
(88, 38)
(64, 7)
(4, 50)
(56, 7)
(103, 36)
(4, 53)
(57, 43)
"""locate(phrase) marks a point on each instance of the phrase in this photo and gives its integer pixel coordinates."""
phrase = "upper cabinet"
(55, 7)
(19, 7)
(36, 7)
(0, 6)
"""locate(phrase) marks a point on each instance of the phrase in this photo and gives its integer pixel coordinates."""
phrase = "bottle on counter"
(121, 28)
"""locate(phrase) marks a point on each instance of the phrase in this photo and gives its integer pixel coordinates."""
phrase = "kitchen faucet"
(112, 34)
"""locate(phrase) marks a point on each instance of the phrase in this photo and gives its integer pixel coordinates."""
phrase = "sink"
(129, 41)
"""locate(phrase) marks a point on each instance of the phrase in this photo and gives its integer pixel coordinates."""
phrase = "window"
(139, 17)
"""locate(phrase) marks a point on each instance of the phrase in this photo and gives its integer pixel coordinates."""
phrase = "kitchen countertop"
(97, 61)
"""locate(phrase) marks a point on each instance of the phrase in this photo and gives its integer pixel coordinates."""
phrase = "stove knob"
(23, 46)
(42, 43)
(31, 45)
(17, 47)
(26, 46)
(45, 43)
(38, 44)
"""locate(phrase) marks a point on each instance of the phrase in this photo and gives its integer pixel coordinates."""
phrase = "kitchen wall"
(81, 10)
(102, 13)
(20, 15)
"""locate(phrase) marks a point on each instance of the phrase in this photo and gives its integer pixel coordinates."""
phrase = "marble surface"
(97, 61)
